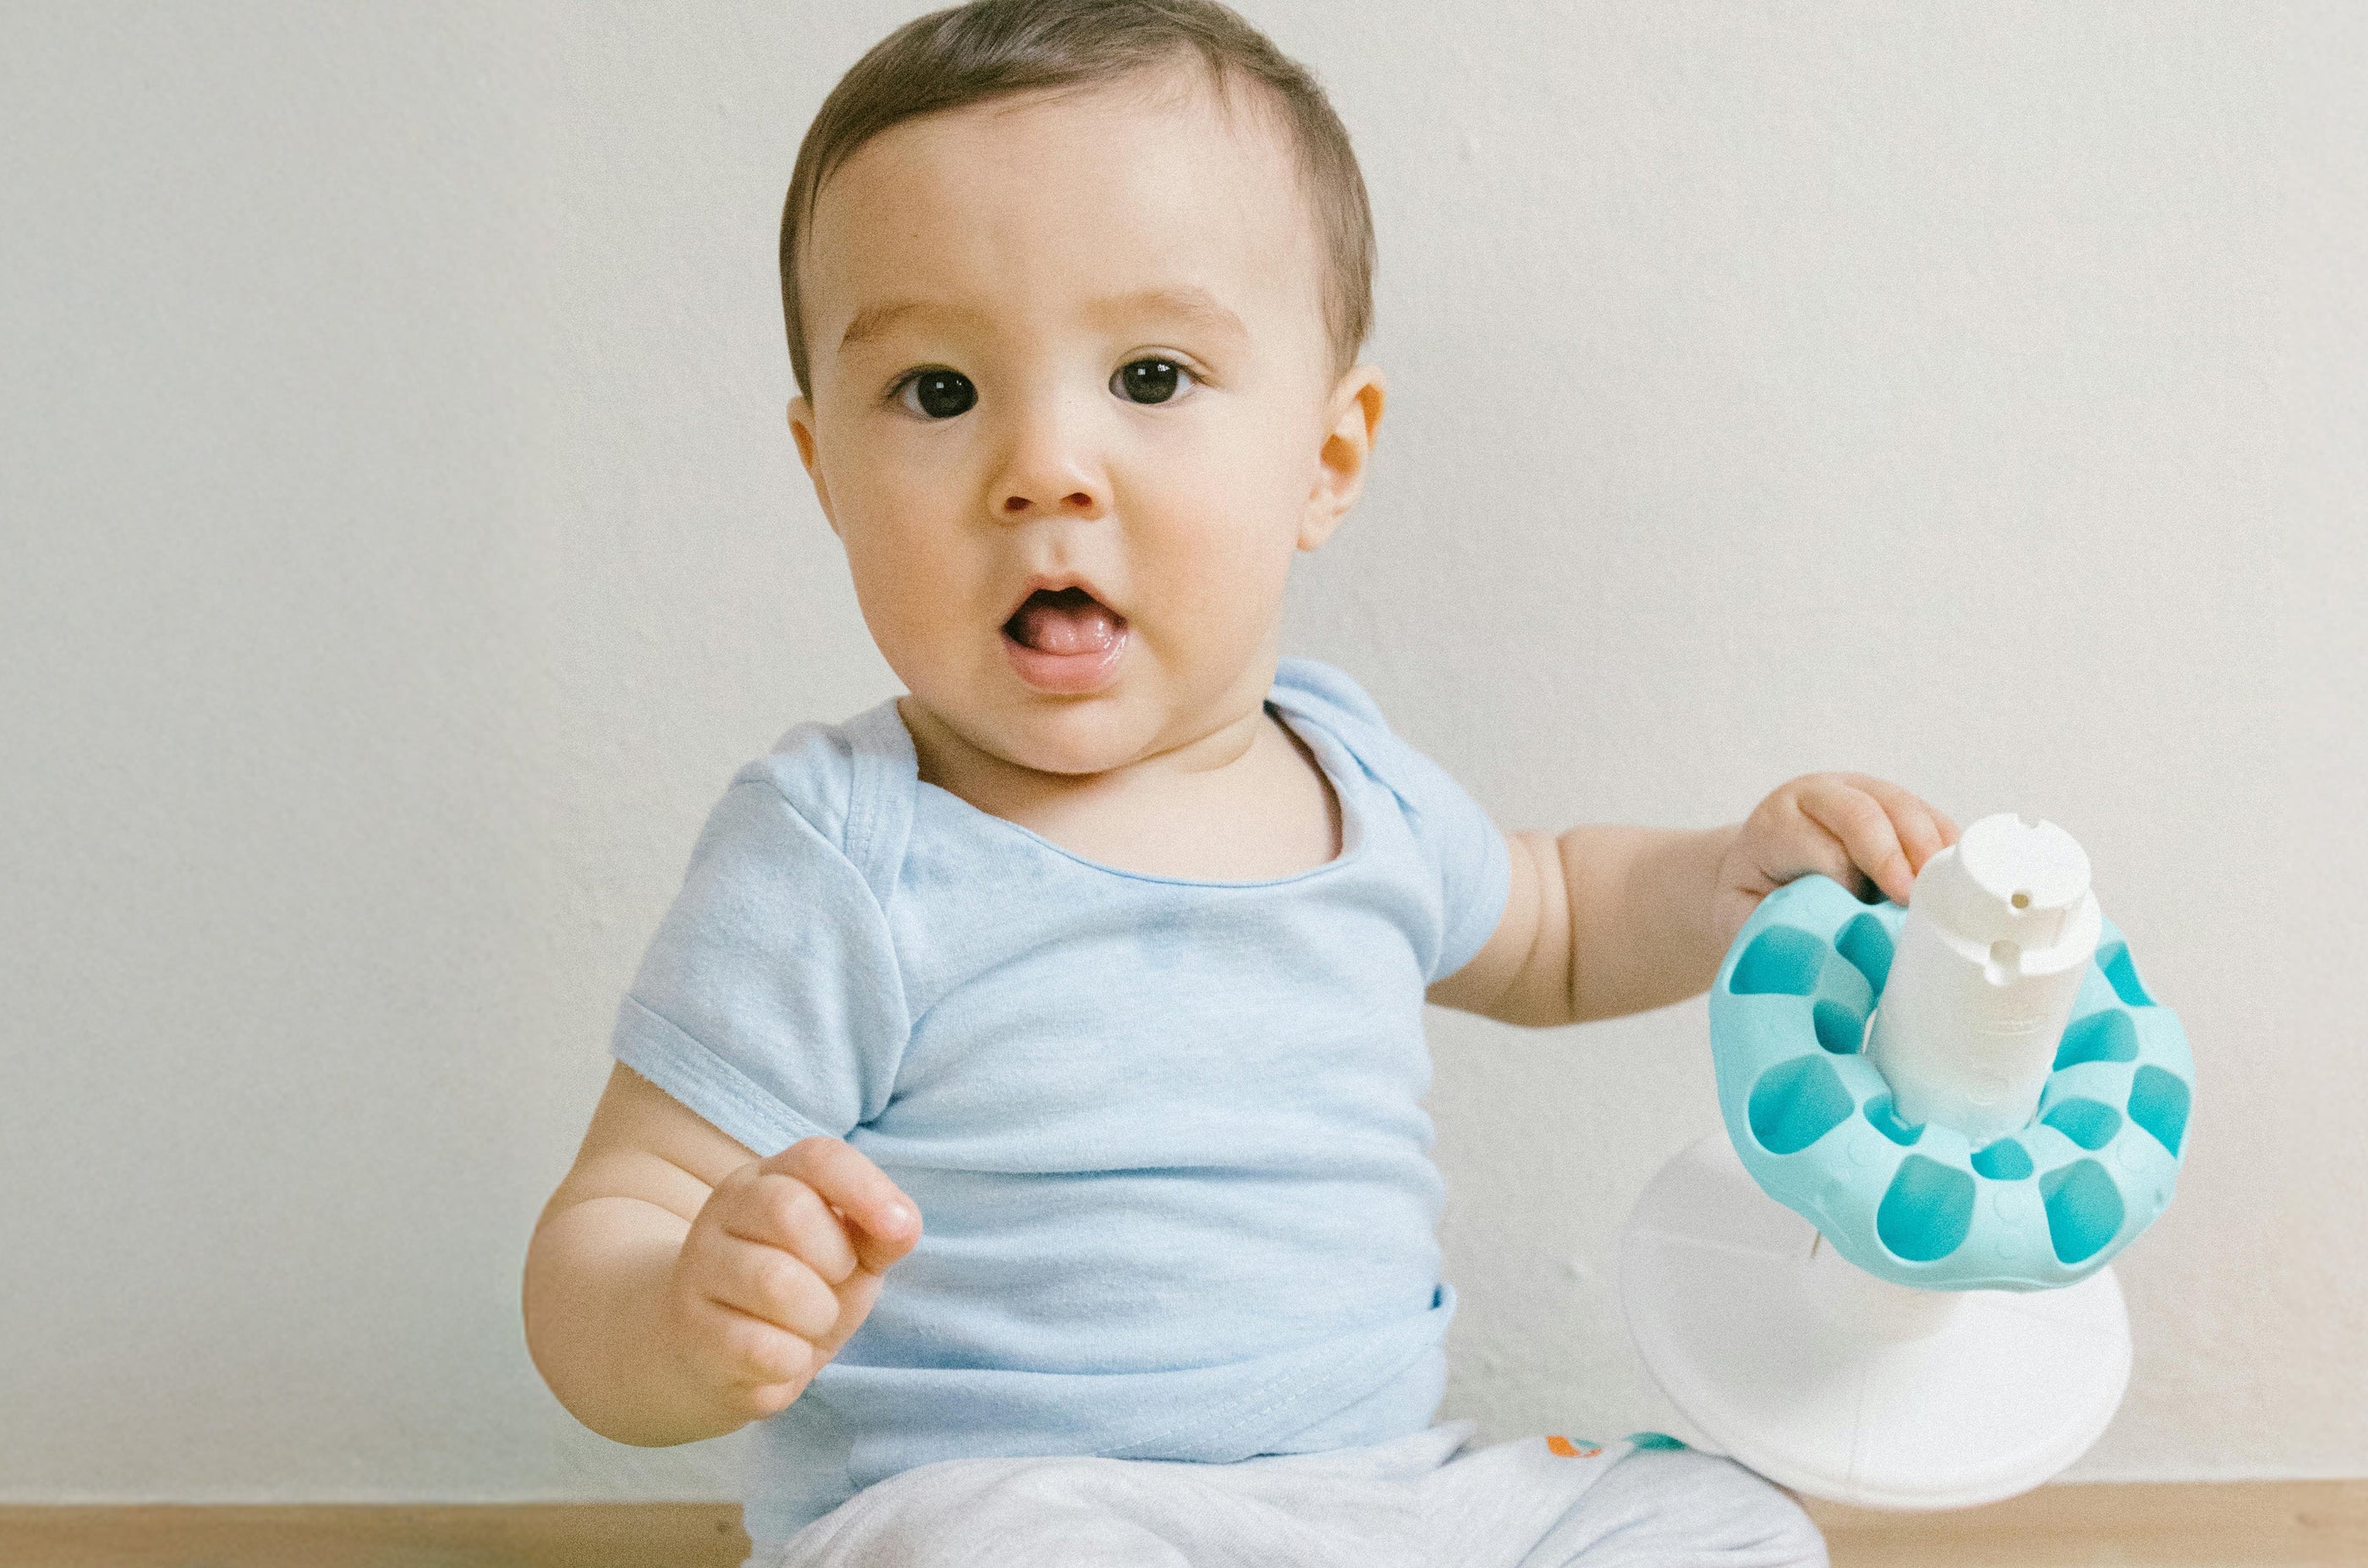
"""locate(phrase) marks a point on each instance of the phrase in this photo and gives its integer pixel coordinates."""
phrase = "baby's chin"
(1134, 718)
(1076, 737)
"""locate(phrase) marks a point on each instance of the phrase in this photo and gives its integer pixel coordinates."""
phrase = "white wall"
(403, 545)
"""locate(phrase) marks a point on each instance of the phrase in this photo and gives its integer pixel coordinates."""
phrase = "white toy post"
(1997, 939)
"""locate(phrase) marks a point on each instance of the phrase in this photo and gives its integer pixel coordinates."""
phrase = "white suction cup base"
(1831, 1381)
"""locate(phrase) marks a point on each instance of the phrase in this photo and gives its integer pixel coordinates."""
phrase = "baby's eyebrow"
(874, 321)
(1187, 303)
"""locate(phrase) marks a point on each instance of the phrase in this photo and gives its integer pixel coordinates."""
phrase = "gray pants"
(1426, 1501)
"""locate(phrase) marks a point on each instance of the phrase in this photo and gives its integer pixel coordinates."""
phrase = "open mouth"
(1064, 639)
(1064, 621)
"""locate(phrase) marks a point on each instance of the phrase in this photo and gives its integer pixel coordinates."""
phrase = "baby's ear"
(1354, 412)
(801, 431)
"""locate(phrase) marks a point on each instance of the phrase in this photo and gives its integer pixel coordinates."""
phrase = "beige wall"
(402, 545)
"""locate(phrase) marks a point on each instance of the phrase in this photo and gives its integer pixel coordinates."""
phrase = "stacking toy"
(1886, 1284)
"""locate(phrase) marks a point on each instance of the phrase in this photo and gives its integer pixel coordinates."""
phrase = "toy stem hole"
(2005, 959)
(2021, 901)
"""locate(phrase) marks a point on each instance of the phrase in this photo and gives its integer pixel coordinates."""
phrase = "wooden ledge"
(2281, 1523)
(2243, 1524)
(356, 1535)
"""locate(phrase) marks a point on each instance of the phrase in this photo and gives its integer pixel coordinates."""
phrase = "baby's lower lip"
(1067, 674)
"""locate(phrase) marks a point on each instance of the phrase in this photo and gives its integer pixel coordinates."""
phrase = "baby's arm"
(677, 1287)
(1602, 921)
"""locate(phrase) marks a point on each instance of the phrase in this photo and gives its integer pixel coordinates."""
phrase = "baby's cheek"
(1217, 586)
(923, 607)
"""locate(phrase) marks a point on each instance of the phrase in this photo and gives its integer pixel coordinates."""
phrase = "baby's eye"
(937, 394)
(1149, 380)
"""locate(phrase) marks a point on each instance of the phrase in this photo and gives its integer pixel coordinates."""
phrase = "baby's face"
(1073, 411)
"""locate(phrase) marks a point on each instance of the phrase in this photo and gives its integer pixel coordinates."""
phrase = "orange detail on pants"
(1563, 1448)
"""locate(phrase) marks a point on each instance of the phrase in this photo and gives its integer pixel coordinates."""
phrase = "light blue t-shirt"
(1175, 1184)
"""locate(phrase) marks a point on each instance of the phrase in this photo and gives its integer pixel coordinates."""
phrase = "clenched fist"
(779, 1268)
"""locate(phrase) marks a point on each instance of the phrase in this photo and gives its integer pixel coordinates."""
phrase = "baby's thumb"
(884, 1236)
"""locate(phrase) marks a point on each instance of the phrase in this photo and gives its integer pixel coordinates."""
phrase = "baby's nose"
(1048, 467)
(1081, 500)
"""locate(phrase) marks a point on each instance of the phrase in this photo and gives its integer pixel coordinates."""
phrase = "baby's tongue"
(1070, 621)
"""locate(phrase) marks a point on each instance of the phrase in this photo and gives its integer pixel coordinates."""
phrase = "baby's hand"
(781, 1267)
(1855, 829)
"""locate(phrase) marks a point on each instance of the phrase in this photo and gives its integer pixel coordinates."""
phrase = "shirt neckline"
(1331, 759)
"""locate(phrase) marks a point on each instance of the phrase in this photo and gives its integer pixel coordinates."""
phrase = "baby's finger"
(1917, 825)
(748, 1351)
(768, 1283)
(1791, 842)
(781, 1211)
(886, 1224)
(1858, 819)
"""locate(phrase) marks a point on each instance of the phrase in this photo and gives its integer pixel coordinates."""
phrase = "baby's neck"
(1244, 801)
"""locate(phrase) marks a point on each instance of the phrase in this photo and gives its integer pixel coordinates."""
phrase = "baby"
(1017, 1114)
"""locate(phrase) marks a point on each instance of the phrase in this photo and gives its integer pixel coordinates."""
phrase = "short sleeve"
(1462, 845)
(770, 1001)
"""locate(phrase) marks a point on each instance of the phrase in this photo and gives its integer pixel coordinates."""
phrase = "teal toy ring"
(1814, 1122)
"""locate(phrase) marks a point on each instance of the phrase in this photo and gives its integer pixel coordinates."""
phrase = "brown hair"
(990, 49)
